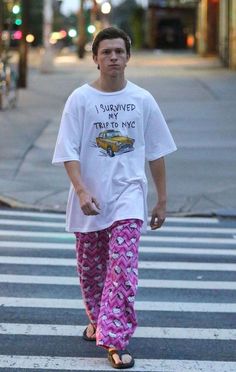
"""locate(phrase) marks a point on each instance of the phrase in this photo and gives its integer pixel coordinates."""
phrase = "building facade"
(216, 30)
(171, 24)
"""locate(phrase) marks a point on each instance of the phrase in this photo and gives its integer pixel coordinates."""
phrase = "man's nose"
(113, 55)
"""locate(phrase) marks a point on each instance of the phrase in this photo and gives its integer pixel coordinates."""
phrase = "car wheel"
(110, 152)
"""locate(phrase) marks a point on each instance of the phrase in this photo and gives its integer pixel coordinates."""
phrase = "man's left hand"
(158, 216)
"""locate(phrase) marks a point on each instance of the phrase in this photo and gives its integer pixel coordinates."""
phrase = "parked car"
(113, 142)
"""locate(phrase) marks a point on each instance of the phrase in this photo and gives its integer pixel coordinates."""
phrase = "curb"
(10, 203)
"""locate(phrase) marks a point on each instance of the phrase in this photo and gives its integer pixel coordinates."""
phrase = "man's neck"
(109, 85)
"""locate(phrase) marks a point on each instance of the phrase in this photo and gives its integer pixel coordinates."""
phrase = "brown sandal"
(91, 338)
(120, 353)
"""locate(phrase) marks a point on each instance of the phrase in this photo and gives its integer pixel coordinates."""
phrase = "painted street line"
(37, 245)
(159, 250)
(177, 229)
(141, 332)
(143, 283)
(70, 237)
(9, 213)
(61, 216)
(101, 364)
(60, 303)
(164, 265)
(189, 240)
(32, 223)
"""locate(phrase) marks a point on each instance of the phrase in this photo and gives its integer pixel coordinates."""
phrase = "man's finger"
(96, 203)
(156, 223)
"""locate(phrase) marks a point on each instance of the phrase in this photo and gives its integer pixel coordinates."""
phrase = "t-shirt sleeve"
(69, 136)
(158, 139)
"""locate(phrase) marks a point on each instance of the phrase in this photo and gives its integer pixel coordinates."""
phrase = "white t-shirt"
(111, 134)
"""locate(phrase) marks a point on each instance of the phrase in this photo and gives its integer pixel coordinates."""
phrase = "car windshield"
(113, 134)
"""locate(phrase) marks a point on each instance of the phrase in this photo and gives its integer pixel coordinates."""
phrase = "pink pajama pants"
(107, 263)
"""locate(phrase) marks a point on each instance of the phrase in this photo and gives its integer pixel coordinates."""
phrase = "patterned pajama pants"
(107, 263)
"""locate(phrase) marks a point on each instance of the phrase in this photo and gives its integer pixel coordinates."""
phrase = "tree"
(129, 17)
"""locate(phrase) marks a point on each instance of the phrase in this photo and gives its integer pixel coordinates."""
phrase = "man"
(108, 128)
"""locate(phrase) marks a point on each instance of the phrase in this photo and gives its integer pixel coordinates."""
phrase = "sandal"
(120, 353)
(89, 338)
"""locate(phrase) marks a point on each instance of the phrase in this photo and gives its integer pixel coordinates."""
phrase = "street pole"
(82, 33)
(23, 47)
(47, 63)
(1, 27)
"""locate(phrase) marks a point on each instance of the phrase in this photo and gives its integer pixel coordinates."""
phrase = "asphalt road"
(186, 301)
(197, 97)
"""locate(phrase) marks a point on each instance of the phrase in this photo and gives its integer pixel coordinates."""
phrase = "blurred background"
(205, 26)
(183, 52)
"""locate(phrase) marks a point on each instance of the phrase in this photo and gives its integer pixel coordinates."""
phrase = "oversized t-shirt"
(111, 134)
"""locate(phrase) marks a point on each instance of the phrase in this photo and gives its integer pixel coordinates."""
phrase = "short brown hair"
(111, 33)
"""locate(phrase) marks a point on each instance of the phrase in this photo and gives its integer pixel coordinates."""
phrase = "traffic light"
(16, 15)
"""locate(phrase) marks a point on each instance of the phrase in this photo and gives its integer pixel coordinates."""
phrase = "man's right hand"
(88, 204)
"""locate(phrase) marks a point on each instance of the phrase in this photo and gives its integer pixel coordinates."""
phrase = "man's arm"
(88, 203)
(157, 168)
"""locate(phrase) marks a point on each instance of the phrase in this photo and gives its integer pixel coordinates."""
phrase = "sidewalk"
(197, 97)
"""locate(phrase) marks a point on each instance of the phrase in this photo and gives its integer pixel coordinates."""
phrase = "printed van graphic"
(114, 143)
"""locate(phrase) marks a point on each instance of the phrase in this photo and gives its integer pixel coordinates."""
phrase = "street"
(197, 97)
(186, 301)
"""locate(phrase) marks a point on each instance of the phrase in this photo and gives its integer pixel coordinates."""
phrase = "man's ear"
(95, 59)
(127, 59)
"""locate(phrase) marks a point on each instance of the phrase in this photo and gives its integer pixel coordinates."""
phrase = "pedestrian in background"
(108, 128)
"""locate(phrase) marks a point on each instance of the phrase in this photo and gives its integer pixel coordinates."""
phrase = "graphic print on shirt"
(111, 139)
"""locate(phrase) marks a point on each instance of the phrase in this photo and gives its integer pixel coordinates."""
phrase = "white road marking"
(143, 283)
(156, 239)
(102, 364)
(142, 249)
(60, 303)
(141, 332)
(38, 234)
(32, 223)
(36, 245)
(173, 229)
(62, 216)
(189, 240)
(162, 265)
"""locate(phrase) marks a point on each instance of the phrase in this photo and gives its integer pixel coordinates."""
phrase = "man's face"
(111, 57)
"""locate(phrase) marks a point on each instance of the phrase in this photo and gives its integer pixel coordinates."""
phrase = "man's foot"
(90, 333)
(120, 359)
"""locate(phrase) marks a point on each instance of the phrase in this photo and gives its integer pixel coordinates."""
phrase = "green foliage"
(137, 22)
(129, 16)
(35, 25)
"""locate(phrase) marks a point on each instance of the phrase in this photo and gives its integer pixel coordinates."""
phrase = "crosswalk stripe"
(184, 229)
(141, 332)
(61, 216)
(36, 245)
(165, 265)
(180, 236)
(143, 283)
(190, 239)
(43, 215)
(101, 364)
(147, 239)
(61, 303)
(146, 249)
(32, 223)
